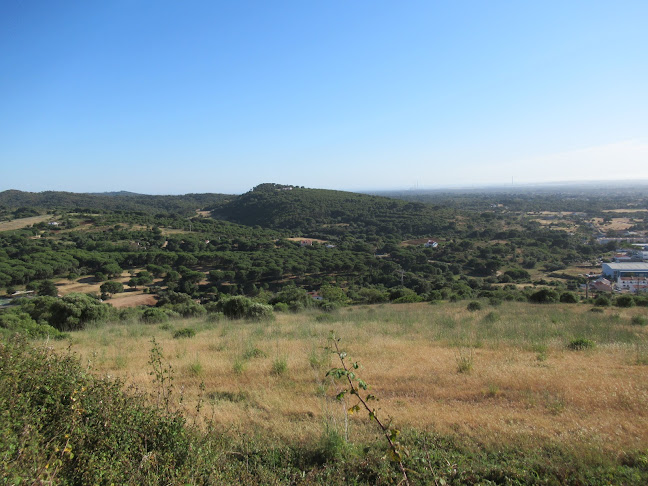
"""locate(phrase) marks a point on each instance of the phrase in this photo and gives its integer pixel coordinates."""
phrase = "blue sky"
(171, 97)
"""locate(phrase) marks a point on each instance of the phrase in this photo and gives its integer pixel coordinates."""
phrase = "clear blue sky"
(170, 97)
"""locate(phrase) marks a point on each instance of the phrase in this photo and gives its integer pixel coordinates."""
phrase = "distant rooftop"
(628, 266)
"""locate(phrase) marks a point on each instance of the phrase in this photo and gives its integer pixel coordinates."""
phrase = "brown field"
(131, 299)
(617, 224)
(310, 239)
(523, 384)
(633, 210)
(172, 231)
(23, 222)
(417, 241)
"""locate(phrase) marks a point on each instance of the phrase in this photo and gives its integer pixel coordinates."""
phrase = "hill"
(121, 201)
(329, 213)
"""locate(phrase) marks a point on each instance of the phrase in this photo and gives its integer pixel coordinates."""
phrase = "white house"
(632, 284)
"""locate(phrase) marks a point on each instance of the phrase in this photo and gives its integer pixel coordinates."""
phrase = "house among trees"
(306, 242)
(602, 285)
(431, 244)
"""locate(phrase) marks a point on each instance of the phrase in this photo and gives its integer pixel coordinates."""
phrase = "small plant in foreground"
(465, 362)
(279, 365)
(185, 332)
(639, 321)
(492, 391)
(195, 368)
(239, 366)
(355, 384)
(581, 344)
(162, 376)
(254, 352)
(491, 317)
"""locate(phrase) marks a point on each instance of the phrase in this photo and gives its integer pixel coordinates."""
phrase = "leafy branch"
(355, 385)
(162, 376)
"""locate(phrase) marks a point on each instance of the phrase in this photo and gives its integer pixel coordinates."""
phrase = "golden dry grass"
(299, 239)
(617, 224)
(633, 210)
(524, 383)
(129, 298)
(23, 222)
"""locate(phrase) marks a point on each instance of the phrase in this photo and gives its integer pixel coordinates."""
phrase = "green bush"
(602, 301)
(569, 298)
(580, 344)
(17, 321)
(474, 306)
(61, 425)
(495, 301)
(544, 296)
(185, 332)
(279, 365)
(329, 306)
(281, 307)
(69, 313)
(625, 301)
(154, 315)
(240, 307)
(260, 312)
(639, 320)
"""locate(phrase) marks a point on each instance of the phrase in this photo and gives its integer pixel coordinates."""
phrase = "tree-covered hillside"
(121, 201)
(326, 213)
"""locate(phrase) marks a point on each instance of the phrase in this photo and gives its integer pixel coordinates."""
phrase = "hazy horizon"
(194, 97)
(546, 186)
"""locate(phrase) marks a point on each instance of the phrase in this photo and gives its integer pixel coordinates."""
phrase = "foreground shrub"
(639, 320)
(60, 425)
(17, 321)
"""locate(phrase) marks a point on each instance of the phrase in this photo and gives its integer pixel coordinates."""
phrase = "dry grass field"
(299, 239)
(499, 374)
(23, 222)
(617, 224)
(88, 284)
(633, 210)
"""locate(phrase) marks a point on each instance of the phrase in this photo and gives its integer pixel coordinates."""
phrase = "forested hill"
(124, 201)
(326, 213)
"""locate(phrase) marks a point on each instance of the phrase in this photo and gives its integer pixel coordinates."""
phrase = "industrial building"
(613, 271)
